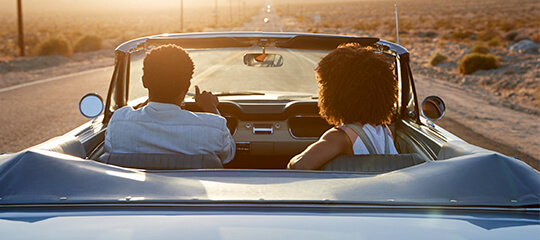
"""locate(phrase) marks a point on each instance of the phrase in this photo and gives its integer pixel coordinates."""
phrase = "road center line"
(205, 75)
(51, 79)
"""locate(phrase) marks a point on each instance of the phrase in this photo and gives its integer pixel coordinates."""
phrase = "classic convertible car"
(438, 186)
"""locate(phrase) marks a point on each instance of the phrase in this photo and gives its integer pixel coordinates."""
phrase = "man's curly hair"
(167, 70)
(356, 84)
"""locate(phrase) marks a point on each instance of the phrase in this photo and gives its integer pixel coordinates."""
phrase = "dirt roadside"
(480, 118)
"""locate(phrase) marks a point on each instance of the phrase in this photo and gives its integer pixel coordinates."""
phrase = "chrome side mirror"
(91, 105)
(433, 108)
(263, 60)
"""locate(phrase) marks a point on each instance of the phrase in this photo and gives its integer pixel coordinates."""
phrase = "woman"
(357, 93)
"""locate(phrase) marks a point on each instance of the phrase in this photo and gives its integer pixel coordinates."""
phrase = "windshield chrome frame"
(118, 91)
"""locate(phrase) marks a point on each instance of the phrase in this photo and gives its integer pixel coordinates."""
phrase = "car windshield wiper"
(243, 93)
(238, 93)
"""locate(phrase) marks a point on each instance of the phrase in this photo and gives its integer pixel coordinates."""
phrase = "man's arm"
(334, 142)
(229, 147)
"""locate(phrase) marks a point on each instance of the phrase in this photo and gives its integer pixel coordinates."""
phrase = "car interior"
(267, 136)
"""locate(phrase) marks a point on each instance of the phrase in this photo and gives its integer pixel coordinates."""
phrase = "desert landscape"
(72, 36)
(441, 36)
(437, 33)
(112, 24)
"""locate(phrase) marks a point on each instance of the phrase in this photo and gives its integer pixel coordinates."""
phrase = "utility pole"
(397, 26)
(20, 26)
(181, 15)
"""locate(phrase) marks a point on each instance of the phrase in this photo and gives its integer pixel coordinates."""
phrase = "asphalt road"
(35, 112)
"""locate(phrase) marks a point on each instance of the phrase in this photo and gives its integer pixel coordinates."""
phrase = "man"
(162, 126)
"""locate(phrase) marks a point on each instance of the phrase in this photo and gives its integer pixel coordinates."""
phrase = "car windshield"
(223, 70)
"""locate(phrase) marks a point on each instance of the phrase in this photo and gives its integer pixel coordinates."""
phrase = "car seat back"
(153, 161)
(373, 163)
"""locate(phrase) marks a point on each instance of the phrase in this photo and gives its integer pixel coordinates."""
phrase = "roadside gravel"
(29, 69)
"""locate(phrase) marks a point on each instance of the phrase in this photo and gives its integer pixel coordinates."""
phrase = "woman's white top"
(376, 135)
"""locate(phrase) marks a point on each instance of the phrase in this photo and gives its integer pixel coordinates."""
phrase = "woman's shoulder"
(335, 134)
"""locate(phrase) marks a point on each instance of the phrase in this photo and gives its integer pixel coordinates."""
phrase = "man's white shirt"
(166, 128)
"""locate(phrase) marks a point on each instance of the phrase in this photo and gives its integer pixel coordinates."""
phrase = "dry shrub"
(461, 35)
(508, 26)
(495, 42)
(443, 24)
(442, 44)
(477, 61)
(88, 43)
(536, 38)
(365, 26)
(53, 46)
(437, 59)
(488, 35)
(479, 47)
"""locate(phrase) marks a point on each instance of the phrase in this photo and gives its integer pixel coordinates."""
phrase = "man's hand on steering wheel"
(206, 100)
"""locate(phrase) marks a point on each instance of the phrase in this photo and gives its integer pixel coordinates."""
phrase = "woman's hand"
(206, 100)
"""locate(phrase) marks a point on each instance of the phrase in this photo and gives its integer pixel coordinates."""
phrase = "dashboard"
(269, 133)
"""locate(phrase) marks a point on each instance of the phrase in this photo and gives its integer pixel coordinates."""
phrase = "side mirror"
(263, 60)
(91, 105)
(433, 108)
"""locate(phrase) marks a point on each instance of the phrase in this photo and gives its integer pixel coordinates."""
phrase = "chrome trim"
(431, 129)
(140, 43)
(421, 131)
(299, 116)
(273, 204)
(263, 130)
(300, 138)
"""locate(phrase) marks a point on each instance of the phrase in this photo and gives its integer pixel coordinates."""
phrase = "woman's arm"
(332, 143)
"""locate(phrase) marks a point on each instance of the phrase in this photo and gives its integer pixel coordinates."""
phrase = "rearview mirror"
(433, 108)
(263, 60)
(91, 105)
